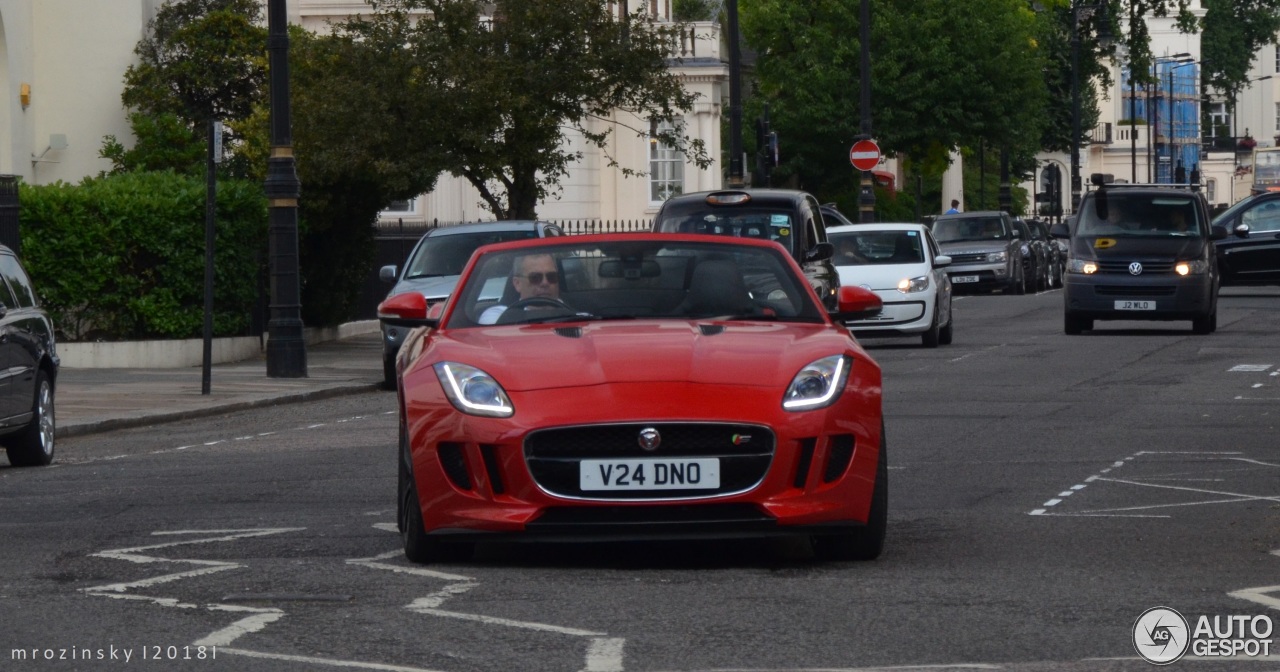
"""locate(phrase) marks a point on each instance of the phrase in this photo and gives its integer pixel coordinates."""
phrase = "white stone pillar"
(953, 182)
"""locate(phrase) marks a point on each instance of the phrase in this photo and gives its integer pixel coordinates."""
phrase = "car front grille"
(554, 455)
(1139, 290)
(968, 258)
(1148, 267)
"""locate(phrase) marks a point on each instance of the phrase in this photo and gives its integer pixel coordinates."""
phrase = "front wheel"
(33, 446)
(418, 546)
(388, 372)
(932, 336)
(1074, 325)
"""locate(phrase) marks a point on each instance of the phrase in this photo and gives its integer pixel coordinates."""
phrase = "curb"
(112, 424)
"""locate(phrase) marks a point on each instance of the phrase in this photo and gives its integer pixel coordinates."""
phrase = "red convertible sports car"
(638, 386)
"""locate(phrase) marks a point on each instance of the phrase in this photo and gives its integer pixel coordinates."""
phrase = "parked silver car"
(985, 250)
(432, 270)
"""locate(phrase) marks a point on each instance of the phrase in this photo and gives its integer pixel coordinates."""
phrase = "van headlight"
(1198, 267)
(910, 285)
(1086, 266)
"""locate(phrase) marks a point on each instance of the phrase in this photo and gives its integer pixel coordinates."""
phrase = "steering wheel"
(543, 301)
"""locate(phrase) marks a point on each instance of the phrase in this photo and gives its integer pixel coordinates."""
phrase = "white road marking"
(1250, 368)
(604, 655)
(322, 661)
(224, 637)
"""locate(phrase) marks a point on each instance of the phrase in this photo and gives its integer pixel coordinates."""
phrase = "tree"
(1232, 33)
(505, 83)
(201, 60)
(934, 87)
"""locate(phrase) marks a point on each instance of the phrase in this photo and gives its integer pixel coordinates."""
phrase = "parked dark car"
(1141, 252)
(1058, 246)
(985, 252)
(1250, 254)
(1037, 255)
(31, 368)
(431, 271)
(789, 217)
(833, 217)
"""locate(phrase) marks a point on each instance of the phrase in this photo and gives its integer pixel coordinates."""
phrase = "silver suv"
(985, 250)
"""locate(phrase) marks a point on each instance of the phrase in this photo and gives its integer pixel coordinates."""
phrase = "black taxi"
(789, 217)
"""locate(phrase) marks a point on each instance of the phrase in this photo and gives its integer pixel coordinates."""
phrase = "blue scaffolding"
(1170, 108)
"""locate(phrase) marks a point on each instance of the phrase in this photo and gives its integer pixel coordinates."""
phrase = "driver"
(532, 276)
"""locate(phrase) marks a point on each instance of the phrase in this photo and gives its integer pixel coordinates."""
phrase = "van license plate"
(1135, 305)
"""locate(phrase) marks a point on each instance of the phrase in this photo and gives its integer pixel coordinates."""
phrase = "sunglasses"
(536, 278)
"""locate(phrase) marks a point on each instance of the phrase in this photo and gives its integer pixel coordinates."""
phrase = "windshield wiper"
(416, 276)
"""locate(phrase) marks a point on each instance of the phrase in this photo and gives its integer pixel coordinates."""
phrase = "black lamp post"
(286, 347)
(736, 169)
(867, 192)
(1103, 36)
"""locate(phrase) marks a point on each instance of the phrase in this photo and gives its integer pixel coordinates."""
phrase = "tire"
(865, 542)
(388, 371)
(1074, 325)
(1017, 285)
(33, 446)
(1204, 324)
(931, 336)
(418, 547)
(945, 333)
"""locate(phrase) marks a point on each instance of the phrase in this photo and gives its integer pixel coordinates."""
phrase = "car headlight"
(1085, 266)
(818, 384)
(909, 285)
(1002, 255)
(1026, 251)
(1198, 267)
(473, 391)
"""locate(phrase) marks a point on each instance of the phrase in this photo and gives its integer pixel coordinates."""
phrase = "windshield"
(969, 229)
(777, 224)
(574, 280)
(858, 248)
(1235, 209)
(441, 255)
(1119, 214)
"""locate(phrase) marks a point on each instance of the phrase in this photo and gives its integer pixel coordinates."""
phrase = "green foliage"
(695, 10)
(122, 256)
(498, 99)
(1232, 33)
(163, 142)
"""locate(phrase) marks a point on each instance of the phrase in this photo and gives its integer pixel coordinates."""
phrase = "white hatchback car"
(903, 265)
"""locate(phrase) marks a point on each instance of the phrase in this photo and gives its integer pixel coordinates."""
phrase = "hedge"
(121, 257)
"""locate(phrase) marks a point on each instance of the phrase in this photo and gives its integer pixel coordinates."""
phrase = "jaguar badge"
(650, 439)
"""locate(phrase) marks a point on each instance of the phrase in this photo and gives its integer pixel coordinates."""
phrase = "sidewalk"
(99, 400)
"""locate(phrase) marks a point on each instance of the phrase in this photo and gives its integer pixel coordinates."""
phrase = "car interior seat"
(716, 288)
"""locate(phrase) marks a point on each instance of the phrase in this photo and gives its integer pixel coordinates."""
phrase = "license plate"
(649, 474)
(1135, 305)
(964, 278)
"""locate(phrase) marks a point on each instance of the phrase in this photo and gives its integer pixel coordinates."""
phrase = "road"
(1045, 491)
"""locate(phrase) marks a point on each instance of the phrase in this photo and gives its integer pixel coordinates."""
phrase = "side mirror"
(1060, 230)
(410, 309)
(1242, 230)
(1218, 232)
(820, 252)
(856, 303)
(941, 260)
(387, 273)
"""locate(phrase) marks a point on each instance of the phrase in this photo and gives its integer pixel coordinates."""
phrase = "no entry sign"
(864, 155)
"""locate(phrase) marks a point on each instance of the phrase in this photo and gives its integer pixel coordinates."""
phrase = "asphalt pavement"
(99, 400)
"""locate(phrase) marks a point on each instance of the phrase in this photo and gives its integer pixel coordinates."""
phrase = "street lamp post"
(286, 348)
(867, 193)
(736, 168)
(1076, 6)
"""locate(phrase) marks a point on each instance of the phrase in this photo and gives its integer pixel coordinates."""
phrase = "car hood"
(880, 276)
(973, 246)
(438, 287)
(535, 357)
(1137, 248)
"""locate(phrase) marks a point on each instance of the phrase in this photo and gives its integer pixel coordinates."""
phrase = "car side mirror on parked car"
(1060, 230)
(1218, 232)
(941, 260)
(820, 252)
(1242, 230)
(387, 273)
(856, 303)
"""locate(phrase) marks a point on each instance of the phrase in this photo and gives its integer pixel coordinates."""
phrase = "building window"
(1219, 121)
(1211, 191)
(1277, 124)
(666, 167)
(408, 207)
